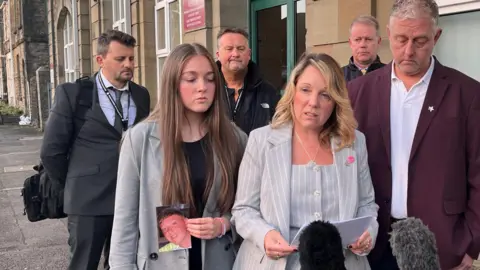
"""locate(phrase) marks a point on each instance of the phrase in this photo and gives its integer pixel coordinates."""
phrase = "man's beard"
(123, 78)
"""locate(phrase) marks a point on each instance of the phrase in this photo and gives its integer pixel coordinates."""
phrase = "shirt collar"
(425, 79)
(108, 84)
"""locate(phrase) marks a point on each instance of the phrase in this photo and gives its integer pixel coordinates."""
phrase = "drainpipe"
(75, 38)
(54, 42)
(26, 56)
(12, 69)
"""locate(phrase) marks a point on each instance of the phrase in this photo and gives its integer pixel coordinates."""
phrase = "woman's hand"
(204, 228)
(275, 246)
(363, 244)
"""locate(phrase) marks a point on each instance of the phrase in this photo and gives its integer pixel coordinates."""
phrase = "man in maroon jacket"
(422, 124)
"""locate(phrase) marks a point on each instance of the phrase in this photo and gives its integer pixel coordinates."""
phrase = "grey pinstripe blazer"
(134, 242)
(263, 195)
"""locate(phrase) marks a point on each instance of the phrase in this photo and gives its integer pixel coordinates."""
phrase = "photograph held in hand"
(172, 228)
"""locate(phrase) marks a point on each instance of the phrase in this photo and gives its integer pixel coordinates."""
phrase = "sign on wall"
(193, 14)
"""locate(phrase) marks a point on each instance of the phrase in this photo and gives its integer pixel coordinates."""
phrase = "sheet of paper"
(350, 230)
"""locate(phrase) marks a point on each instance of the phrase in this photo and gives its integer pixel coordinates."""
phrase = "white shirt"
(405, 108)
(107, 106)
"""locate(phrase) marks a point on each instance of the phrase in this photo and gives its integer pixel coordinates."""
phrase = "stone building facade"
(25, 48)
(281, 30)
(7, 51)
(74, 26)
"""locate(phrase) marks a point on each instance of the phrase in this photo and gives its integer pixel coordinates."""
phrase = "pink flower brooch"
(350, 160)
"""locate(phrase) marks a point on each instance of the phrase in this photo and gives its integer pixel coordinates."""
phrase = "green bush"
(5, 109)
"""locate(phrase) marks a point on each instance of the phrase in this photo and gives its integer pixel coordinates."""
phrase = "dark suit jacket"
(444, 167)
(88, 165)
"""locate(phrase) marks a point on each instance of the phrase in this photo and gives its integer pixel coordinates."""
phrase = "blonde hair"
(342, 123)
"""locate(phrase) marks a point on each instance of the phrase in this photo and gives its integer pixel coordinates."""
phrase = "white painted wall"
(454, 6)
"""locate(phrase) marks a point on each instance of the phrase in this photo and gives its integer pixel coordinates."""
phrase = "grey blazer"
(134, 242)
(263, 195)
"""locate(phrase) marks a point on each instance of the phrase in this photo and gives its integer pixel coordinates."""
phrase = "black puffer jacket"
(351, 71)
(257, 103)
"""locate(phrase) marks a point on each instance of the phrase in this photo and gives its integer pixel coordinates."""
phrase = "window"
(68, 53)
(168, 29)
(121, 16)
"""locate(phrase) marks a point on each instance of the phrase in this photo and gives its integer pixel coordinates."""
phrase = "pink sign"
(193, 14)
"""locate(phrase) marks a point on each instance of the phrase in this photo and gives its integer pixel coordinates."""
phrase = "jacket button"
(154, 256)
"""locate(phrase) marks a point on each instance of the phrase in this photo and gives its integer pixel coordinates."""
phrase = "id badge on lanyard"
(117, 111)
(236, 103)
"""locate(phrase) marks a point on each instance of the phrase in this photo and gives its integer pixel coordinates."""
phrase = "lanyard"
(120, 114)
(236, 103)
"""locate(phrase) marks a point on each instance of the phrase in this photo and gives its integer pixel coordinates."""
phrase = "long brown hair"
(342, 123)
(221, 141)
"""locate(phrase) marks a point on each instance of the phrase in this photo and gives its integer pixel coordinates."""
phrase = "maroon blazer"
(444, 166)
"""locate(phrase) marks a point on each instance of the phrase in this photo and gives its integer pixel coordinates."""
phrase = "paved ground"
(25, 245)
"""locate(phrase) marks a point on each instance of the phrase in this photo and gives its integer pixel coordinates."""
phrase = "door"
(277, 37)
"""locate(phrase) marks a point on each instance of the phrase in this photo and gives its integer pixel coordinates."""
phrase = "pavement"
(26, 245)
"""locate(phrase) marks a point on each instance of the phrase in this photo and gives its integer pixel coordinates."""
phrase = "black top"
(195, 156)
(351, 71)
(257, 103)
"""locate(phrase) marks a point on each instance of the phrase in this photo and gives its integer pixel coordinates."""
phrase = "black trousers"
(89, 235)
(388, 261)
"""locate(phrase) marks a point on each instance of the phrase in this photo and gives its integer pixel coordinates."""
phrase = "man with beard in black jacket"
(250, 98)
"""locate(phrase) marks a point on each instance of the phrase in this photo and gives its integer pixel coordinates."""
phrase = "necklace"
(312, 160)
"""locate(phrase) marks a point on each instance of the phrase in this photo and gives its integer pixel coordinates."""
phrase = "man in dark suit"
(422, 125)
(86, 160)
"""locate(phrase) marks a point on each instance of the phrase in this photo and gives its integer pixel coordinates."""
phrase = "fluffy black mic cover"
(321, 248)
(414, 245)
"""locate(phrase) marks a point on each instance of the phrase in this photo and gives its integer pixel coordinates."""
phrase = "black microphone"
(414, 245)
(321, 248)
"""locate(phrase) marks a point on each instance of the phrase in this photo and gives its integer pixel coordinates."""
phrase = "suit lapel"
(156, 164)
(97, 112)
(346, 180)
(384, 84)
(279, 165)
(137, 97)
(436, 91)
(212, 195)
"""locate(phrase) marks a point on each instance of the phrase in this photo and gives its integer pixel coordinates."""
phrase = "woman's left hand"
(204, 228)
(363, 244)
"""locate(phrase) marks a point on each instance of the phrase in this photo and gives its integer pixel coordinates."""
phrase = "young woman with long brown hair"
(186, 152)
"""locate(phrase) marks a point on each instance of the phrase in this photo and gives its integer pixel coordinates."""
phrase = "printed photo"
(172, 228)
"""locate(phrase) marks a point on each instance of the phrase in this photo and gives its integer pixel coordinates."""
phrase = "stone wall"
(219, 14)
(328, 23)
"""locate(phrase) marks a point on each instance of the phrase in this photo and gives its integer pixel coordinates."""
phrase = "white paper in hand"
(350, 230)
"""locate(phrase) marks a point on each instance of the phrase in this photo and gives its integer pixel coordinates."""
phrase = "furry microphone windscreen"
(414, 245)
(321, 248)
